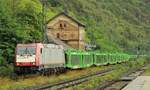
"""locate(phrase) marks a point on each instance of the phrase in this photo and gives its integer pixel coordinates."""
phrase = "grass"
(120, 69)
(147, 72)
(8, 84)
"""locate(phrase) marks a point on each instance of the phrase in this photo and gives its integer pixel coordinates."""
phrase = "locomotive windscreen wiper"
(21, 51)
(30, 51)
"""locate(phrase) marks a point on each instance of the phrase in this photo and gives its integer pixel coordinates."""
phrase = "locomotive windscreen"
(22, 51)
(25, 54)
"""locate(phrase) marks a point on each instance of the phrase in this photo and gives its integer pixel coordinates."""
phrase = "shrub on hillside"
(6, 70)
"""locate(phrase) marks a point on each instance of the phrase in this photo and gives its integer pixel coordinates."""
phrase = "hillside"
(113, 25)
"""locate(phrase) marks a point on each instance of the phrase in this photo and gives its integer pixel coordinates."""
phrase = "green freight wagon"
(100, 58)
(127, 57)
(109, 58)
(74, 59)
(115, 57)
(123, 58)
(112, 58)
(87, 59)
(119, 58)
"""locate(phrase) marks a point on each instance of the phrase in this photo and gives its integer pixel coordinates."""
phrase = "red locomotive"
(38, 57)
(28, 54)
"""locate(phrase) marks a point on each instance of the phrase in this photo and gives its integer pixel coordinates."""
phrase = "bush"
(2, 61)
(6, 70)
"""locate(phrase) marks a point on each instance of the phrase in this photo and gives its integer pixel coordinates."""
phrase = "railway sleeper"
(50, 71)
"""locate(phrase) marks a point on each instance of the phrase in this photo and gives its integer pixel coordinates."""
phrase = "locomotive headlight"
(17, 63)
(33, 63)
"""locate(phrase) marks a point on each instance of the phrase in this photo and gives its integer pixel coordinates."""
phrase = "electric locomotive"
(38, 57)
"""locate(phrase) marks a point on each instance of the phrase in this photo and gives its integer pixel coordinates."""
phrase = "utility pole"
(140, 46)
(43, 25)
(65, 7)
(13, 7)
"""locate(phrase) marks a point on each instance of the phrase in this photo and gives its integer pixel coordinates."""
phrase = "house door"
(58, 35)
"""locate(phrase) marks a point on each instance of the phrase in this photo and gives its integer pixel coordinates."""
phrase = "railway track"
(68, 83)
(120, 83)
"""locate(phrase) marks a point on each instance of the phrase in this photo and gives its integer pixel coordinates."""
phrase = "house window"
(58, 36)
(49, 27)
(65, 25)
(60, 25)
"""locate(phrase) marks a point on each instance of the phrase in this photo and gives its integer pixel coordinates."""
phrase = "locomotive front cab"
(26, 55)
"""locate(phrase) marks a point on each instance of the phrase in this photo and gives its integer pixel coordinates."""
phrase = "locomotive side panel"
(38, 54)
(52, 57)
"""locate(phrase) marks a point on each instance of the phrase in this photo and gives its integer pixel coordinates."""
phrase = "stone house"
(68, 30)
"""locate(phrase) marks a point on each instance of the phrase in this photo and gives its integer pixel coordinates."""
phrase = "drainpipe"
(78, 37)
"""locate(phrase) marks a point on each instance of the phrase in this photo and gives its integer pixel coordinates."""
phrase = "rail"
(67, 83)
(124, 79)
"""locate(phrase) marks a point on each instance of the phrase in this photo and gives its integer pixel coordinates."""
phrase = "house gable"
(64, 17)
